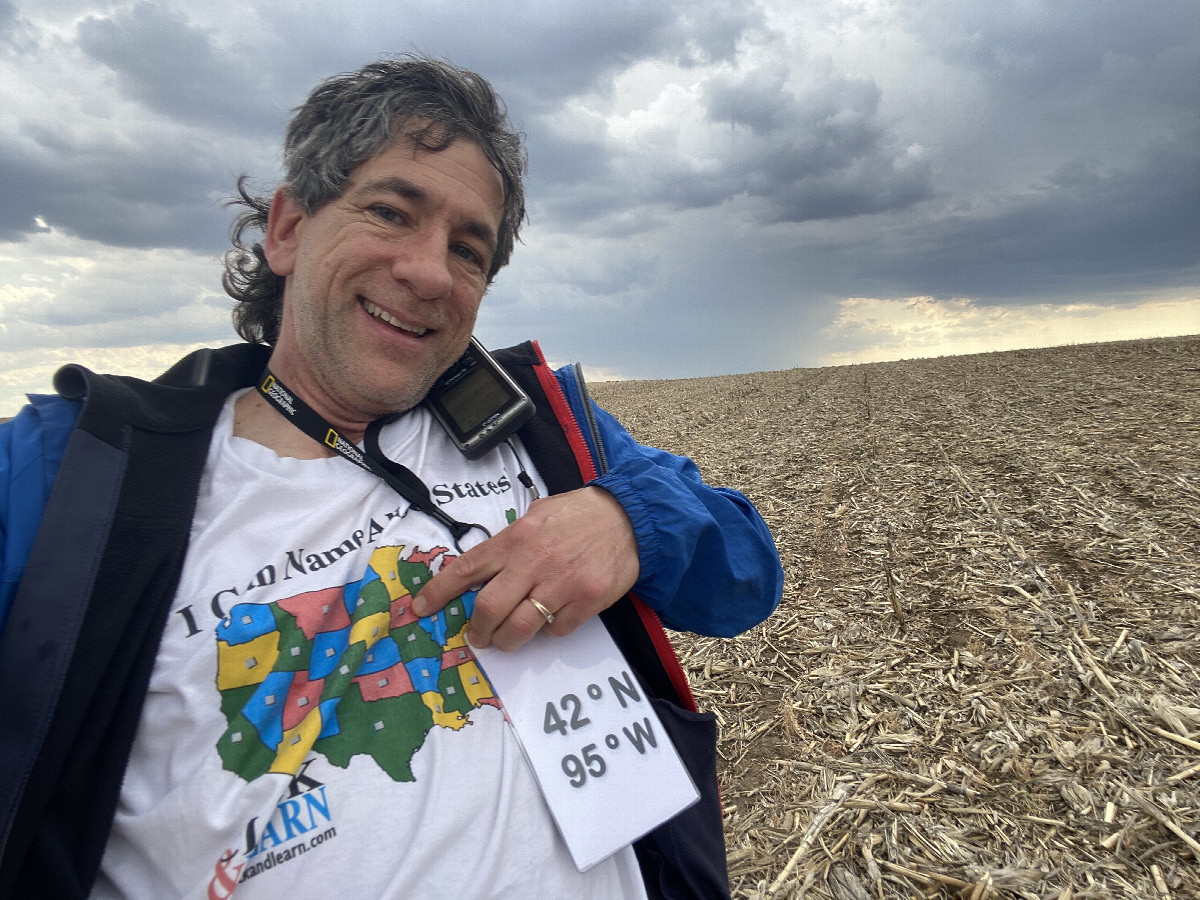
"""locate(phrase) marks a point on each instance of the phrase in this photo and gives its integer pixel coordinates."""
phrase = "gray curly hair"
(347, 120)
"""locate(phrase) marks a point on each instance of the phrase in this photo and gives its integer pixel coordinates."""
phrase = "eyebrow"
(402, 187)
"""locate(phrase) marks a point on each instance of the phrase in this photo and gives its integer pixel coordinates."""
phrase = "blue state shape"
(384, 654)
(265, 709)
(322, 661)
(329, 718)
(468, 600)
(417, 669)
(353, 589)
(435, 627)
(245, 623)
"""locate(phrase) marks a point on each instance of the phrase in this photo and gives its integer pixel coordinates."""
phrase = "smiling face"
(383, 283)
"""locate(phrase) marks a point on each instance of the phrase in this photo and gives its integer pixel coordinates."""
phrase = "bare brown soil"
(983, 678)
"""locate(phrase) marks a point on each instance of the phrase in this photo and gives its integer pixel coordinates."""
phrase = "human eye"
(468, 253)
(387, 213)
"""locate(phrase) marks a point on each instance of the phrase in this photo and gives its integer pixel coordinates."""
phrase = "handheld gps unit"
(477, 402)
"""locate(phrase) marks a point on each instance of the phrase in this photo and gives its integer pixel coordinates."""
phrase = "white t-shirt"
(304, 735)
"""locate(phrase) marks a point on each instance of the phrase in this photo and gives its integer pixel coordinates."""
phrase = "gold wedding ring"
(546, 614)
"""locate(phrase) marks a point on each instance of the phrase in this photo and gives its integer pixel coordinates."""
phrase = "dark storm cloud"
(163, 60)
(1086, 228)
(824, 153)
(1009, 153)
(536, 53)
(8, 19)
(1066, 46)
(176, 69)
(159, 196)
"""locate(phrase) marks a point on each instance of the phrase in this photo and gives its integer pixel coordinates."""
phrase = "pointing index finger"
(470, 570)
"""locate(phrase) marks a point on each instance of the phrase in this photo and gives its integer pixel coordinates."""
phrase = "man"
(234, 660)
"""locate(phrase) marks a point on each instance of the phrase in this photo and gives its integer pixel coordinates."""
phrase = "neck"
(257, 419)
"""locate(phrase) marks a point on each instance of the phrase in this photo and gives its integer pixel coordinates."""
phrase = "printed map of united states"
(345, 671)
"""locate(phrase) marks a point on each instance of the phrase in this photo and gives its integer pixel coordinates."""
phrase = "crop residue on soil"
(982, 680)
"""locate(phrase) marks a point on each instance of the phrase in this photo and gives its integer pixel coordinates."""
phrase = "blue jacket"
(98, 496)
(694, 541)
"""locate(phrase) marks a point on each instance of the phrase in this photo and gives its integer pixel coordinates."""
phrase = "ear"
(281, 243)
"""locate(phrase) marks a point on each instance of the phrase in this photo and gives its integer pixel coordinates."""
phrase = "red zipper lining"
(587, 468)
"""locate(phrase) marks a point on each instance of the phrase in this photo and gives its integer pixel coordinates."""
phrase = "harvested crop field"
(983, 678)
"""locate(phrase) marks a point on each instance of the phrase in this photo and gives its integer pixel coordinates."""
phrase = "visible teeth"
(390, 319)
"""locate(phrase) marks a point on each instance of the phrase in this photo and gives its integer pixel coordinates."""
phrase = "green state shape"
(456, 617)
(390, 731)
(457, 699)
(421, 645)
(337, 682)
(247, 757)
(373, 597)
(413, 576)
(295, 649)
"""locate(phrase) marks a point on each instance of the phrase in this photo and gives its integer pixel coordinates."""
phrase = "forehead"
(459, 173)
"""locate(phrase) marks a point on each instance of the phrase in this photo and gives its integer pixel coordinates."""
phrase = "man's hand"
(574, 553)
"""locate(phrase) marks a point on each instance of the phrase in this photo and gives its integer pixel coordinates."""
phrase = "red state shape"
(302, 698)
(318, 611)
(402, 613)
(427, 557)
(456, 656)
(398, 682)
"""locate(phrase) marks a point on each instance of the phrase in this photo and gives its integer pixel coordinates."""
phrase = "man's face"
(384, 282)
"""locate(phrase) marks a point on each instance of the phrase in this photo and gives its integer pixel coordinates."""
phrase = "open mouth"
(385, 316)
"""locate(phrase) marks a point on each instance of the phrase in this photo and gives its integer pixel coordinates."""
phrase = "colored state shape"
(454, 696)
(239, 665)
(369, 629)
(459, 659)
(424, 673)
(456, 653)
(382, 655)
(443, 716)
(329, 719)
(245, 623)
(385, 563)
(402, 613)
(413, 576)
(435, 627)
(302, 698)
(327, 650)
(415, 643)
(390, 682)
(390, 731)
(356, 593)
(297, 743)
(457, 613)
(264, 708)
(241, 747)
(427, 558)
(317, 611)
(346, 671)
(295, 648)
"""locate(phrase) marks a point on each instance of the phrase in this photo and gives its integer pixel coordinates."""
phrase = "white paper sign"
(604, 763)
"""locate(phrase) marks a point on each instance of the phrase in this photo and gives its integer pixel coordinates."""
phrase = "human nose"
(422, 264)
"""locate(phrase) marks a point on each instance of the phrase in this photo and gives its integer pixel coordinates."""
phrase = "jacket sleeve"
(708, 562)
(31, 448)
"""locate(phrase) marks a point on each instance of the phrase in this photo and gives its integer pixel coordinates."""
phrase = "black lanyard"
(371, 458)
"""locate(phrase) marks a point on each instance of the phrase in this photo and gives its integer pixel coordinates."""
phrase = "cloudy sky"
(715, 186)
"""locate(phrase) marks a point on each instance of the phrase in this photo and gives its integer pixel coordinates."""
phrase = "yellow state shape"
(296, 744)
(239, 665)
(475, 683)
(370, 628)
(385, 562)
(435, 702)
